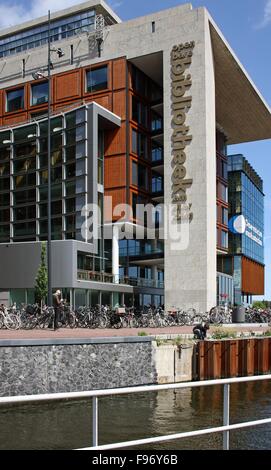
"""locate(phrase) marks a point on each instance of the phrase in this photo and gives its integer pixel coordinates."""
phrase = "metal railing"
(84, 275)
(225, 429)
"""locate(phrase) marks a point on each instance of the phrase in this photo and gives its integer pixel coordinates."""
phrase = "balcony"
(142, 282)
(139, 251)
(158, 158)
(108, 278)
(94, 276)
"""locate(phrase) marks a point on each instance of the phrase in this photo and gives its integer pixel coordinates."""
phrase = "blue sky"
(246, 24)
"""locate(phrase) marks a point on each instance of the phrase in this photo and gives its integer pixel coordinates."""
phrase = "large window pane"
(140, 144)
(15, 99)
(24, 165)
(25, 229)
(4, 199)
(23, 197)
(4, 232)
(4, 216)
(4, 184)
(24, 213)
(28, 179)
(39, 93)
(97, 79)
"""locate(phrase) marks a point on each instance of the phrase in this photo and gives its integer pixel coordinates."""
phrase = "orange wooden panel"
(118, 197)
(119, 103)
(115, 141)
(119, 74)
(104, 101)
(67, 86)
(229, 358)
(114, 171)
(216, 360)
(201, 361)
(263, 347)
(14, 119)
(249, 357)
(252, 277)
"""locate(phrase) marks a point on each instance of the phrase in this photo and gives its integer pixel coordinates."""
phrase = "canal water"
(67, 425)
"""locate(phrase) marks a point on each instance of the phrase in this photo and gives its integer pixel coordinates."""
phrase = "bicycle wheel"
(72, 320)
(197, 319)
(2, 323)
(11, 322)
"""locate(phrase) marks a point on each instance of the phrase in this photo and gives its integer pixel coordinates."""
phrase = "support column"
(154, 275)
(115, 254)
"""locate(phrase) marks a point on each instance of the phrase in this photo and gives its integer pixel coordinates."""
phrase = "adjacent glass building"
(246, 236)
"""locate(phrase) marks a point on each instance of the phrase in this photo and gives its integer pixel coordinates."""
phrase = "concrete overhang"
(99, 6)
(240, 109)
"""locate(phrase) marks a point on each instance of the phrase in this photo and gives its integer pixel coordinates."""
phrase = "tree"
(42, 277)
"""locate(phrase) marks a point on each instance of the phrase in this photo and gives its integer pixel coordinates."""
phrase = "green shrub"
(223, 333)
(142, 333)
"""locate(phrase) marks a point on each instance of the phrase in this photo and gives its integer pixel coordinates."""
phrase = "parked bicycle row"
(33, 316)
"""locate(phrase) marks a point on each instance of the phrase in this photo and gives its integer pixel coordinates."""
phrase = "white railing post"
(95, 425)
(226, 416)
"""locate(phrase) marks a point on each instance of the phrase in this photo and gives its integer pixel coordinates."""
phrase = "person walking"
(57, 303)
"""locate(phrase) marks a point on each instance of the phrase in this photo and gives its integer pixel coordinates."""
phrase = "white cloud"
(267, 15)
(13, 12)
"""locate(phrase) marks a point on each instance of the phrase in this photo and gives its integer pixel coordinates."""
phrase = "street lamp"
(37, 76)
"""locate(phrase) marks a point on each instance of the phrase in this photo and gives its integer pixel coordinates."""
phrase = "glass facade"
(246, 199)
(139, 112)
(39, 93)
(38, 36)
(140, 248)
(24, 179)
(15, 100)
(140, 176)
(97, 79)
(140, 144)
(225, 290)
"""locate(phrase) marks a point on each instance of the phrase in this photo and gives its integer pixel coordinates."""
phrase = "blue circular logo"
(237, 224)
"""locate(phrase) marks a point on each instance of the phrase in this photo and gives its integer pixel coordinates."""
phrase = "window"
(15, 100)
(39, 93)
(25, 229)
(156, 123)
(70, 205)
(24, 213)
(4, 184)
(139, 112)
(4, 199)
(140, 175)
(140, 144)
(224, 216)
(157, 184)
(38, 36)
(97, 79)
(23, 197)
(223, 192)
(224, 239)
(157, 153)
(139, 81)
(4, 216)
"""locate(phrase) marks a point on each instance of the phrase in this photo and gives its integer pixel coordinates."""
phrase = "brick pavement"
(105, 333)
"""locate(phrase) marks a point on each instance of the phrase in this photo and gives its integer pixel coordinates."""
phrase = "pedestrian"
(57, 304)
(200, 330)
